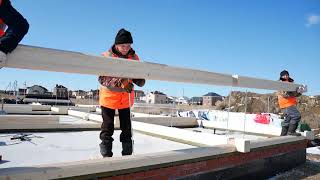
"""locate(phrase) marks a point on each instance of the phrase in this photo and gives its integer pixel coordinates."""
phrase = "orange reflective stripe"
(286, 102)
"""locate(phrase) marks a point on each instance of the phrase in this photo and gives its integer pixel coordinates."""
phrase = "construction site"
(61, 142)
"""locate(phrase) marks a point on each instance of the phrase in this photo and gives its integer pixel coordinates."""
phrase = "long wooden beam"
(37, 58)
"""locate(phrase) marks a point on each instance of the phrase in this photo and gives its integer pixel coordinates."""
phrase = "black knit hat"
(123, 37)
(284, 72)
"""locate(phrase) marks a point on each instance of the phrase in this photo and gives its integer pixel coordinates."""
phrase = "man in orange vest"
(117, 93)
(287, 101)
(13, 27)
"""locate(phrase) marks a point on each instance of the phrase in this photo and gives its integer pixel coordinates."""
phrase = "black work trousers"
(107, 127)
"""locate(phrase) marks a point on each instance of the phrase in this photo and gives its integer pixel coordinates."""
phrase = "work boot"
(292, 130)
(3, 58)
(284, 130)
(127, 148)
(106, 149)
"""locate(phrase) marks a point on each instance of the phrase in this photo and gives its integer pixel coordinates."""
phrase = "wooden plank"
(9, 109)
(20, 119)
(180, 135)
(27, 106)
(47, 126)
(164, 121)
(31, 100)
(169, 121)
(36, 58)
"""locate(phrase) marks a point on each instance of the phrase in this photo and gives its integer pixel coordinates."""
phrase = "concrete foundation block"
(242, 145)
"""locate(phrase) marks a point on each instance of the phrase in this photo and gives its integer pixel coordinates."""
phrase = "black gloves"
(139, 82)
(127, 85)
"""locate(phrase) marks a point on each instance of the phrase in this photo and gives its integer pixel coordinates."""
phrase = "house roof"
(212, 94)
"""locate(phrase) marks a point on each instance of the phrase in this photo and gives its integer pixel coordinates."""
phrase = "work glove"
(139, 82)
(127, 85)
(301, 89)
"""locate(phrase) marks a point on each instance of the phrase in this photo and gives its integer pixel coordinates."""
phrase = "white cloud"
(313, 20)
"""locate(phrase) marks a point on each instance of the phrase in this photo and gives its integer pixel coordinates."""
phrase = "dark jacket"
(17, 25)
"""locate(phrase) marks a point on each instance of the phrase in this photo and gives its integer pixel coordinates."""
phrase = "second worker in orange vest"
(114, 94)
(287, 101)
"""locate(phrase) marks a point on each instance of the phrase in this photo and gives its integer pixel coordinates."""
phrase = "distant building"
(93, 94)
(39, 94)
(79, 94)
(37, 90)
(157, 97)
(196, 101)
(22, 91)
(138, 94)
(211, 98)
(182, 100)
(60, 92)
(171, 100)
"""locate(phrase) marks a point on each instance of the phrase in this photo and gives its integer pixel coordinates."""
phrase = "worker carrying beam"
(287, 101)
(13, 27)
(117, 93)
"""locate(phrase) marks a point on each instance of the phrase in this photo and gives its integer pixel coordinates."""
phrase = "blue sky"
(245, 37)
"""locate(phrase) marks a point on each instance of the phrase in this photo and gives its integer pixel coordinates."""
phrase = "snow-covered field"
(45, 148)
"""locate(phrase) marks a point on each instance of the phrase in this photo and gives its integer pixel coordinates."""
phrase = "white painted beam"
(13, 109)
(42, 126)
(31, 100)
(169, 121)
(61, 110)
(36, 58)
(180, 135)
(27, 106)
(29, 119)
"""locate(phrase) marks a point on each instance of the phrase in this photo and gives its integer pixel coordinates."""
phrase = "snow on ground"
(60, 147)
(313, 150)
(230, 134)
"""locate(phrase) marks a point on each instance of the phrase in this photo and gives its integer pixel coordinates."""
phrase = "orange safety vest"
(112, 99)
(285, 102)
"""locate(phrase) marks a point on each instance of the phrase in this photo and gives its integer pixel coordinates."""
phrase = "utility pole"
(15, 86)
(25, 88)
